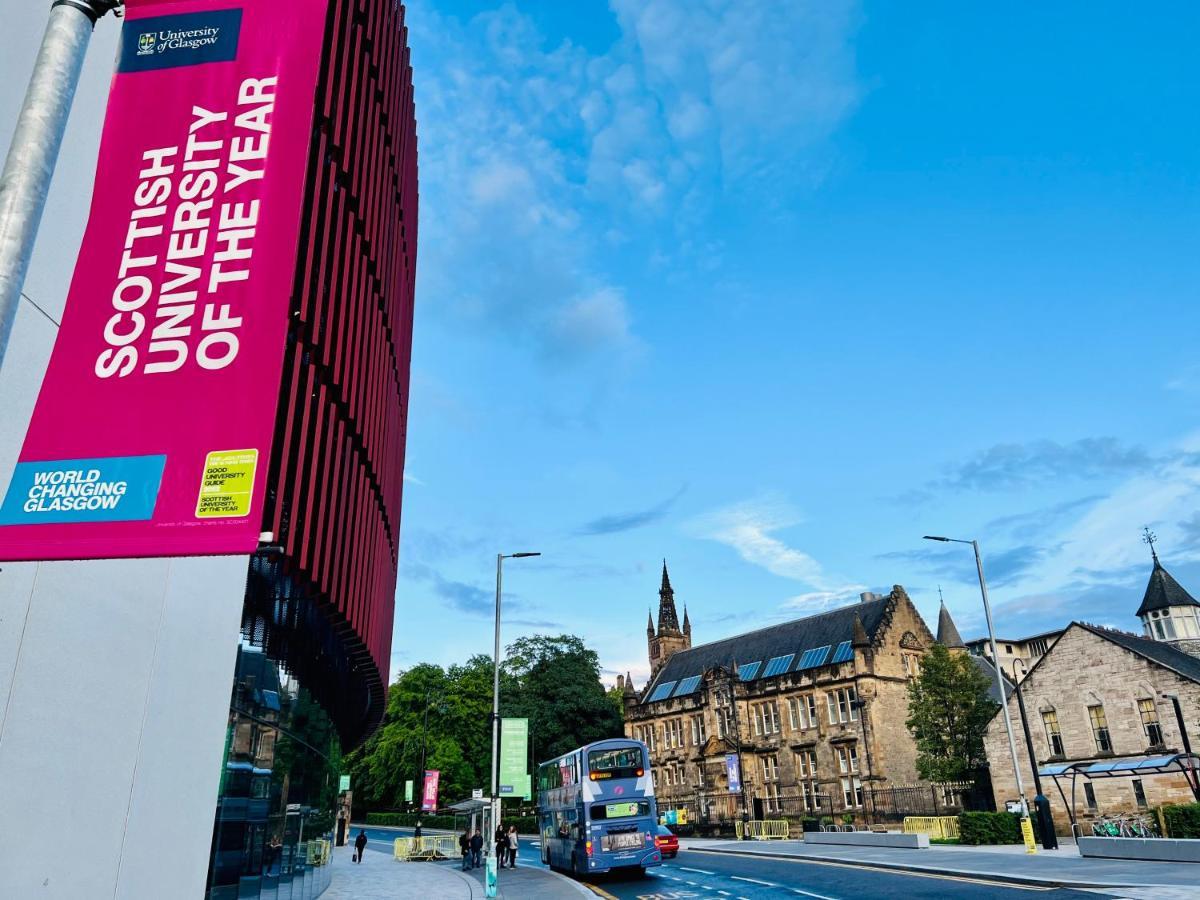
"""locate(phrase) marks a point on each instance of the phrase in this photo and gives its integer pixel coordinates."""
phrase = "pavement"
(380, 877)
(1062, 868)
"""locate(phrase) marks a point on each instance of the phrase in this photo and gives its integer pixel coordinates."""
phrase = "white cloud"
(533, 154)
(749, 527)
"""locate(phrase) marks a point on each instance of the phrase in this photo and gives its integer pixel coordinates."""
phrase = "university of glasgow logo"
(146, 44)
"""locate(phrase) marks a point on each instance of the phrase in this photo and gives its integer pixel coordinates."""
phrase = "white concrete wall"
(115, 679)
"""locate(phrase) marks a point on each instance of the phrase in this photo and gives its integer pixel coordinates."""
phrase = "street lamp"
(490, 880)
(1040, 803)
(987, 611)
(1194, 782)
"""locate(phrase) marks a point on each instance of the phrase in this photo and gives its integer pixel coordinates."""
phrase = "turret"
(1168, 612)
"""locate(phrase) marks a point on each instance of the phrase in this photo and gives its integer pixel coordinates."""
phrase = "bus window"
(626, 762)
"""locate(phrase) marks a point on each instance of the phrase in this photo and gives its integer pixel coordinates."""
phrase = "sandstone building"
(813, 708)
(1101, 695)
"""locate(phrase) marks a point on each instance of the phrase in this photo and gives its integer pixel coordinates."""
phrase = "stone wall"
(1082, 670)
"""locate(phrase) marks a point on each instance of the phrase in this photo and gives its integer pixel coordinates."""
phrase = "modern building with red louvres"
(320, 599)
(320, 593)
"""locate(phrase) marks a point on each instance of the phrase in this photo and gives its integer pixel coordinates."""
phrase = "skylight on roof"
(843, 653)
(662, 692)
(778, 665)
(813, 658)
(687, 686)
(748, 671)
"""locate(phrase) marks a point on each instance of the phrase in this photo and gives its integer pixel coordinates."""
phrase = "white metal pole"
(25, 180)
(495, 796)
(1012, 743)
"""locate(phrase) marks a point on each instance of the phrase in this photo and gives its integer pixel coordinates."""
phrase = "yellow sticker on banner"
(227, 485)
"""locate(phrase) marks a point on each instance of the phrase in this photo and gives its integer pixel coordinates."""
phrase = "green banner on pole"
(514, 757)
(344, 783)
(408, 791)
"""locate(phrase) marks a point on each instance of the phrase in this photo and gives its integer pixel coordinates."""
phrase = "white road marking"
(811, 894)
(697, 871)
(754, 881)
(725, 893)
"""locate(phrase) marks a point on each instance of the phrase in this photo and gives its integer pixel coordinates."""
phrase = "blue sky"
(772, 289)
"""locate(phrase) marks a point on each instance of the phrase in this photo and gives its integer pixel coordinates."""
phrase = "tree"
(948, 713)
(556, 685)
(616, 697)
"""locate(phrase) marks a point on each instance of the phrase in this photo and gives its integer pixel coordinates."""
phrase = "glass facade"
(279, 786)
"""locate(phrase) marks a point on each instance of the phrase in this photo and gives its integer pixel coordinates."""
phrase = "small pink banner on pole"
(429, 794)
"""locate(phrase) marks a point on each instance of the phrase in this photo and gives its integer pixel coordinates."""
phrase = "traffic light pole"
(25, 180)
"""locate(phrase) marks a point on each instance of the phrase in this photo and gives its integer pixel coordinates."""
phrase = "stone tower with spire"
(669, 638)
(1168, 612)
(947, 631)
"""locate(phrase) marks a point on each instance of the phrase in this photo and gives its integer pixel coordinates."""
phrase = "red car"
(666, 842)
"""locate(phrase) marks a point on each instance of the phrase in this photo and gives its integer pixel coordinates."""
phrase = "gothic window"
(1053, 734)
(1150, 723)
(1100, 729)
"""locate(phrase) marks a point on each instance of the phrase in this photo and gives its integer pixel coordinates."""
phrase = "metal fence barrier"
(439, 846)
(762, 829)
(937, 827)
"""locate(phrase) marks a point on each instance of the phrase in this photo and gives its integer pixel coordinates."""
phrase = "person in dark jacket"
(501, 838)
(360, 844)
(476, 849)
(464, 844)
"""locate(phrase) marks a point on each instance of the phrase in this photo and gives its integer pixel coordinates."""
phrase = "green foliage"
(617, 698)
(948, 713)
(989, 828)
(1183, 820)
(555, 683)
(308, 758)
(552, 681)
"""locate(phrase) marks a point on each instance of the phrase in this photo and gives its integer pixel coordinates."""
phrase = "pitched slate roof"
(1156, 651)
(985, 666)
(1163, 591)
(824, 629)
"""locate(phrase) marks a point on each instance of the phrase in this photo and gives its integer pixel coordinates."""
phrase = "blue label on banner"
(188, 39)
(116, 489)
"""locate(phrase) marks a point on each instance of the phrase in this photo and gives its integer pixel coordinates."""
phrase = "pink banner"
(429, 794)
(152, 432)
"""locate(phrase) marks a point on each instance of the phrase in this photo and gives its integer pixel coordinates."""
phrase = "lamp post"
(1040, 804)
(424, 735)
(490, 879)
(33, 152)
(987, 611)
(1194, 782)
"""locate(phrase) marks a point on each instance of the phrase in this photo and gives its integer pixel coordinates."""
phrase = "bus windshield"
(626, 762)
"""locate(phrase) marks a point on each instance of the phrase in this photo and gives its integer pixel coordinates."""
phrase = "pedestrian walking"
(360, 844)
(476, 849)
(464, 844)
(513, 846)
(417, 833)
(501, 845)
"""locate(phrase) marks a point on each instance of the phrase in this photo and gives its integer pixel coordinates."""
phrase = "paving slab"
(380, 877)
(1047, 868)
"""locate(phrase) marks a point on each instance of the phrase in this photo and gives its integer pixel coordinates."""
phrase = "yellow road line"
(599, 892)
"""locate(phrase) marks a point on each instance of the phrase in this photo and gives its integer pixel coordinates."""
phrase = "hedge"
(525, 824)
(1183, 820)
(989, 828)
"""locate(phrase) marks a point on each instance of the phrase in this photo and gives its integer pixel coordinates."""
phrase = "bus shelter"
(1131, 767)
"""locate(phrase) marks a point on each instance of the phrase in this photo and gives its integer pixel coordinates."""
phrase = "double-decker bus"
(596, 808)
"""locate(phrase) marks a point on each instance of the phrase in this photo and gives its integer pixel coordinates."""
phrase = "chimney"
(867, 596)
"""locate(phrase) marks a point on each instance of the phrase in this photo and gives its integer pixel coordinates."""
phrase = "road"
(696, 875)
